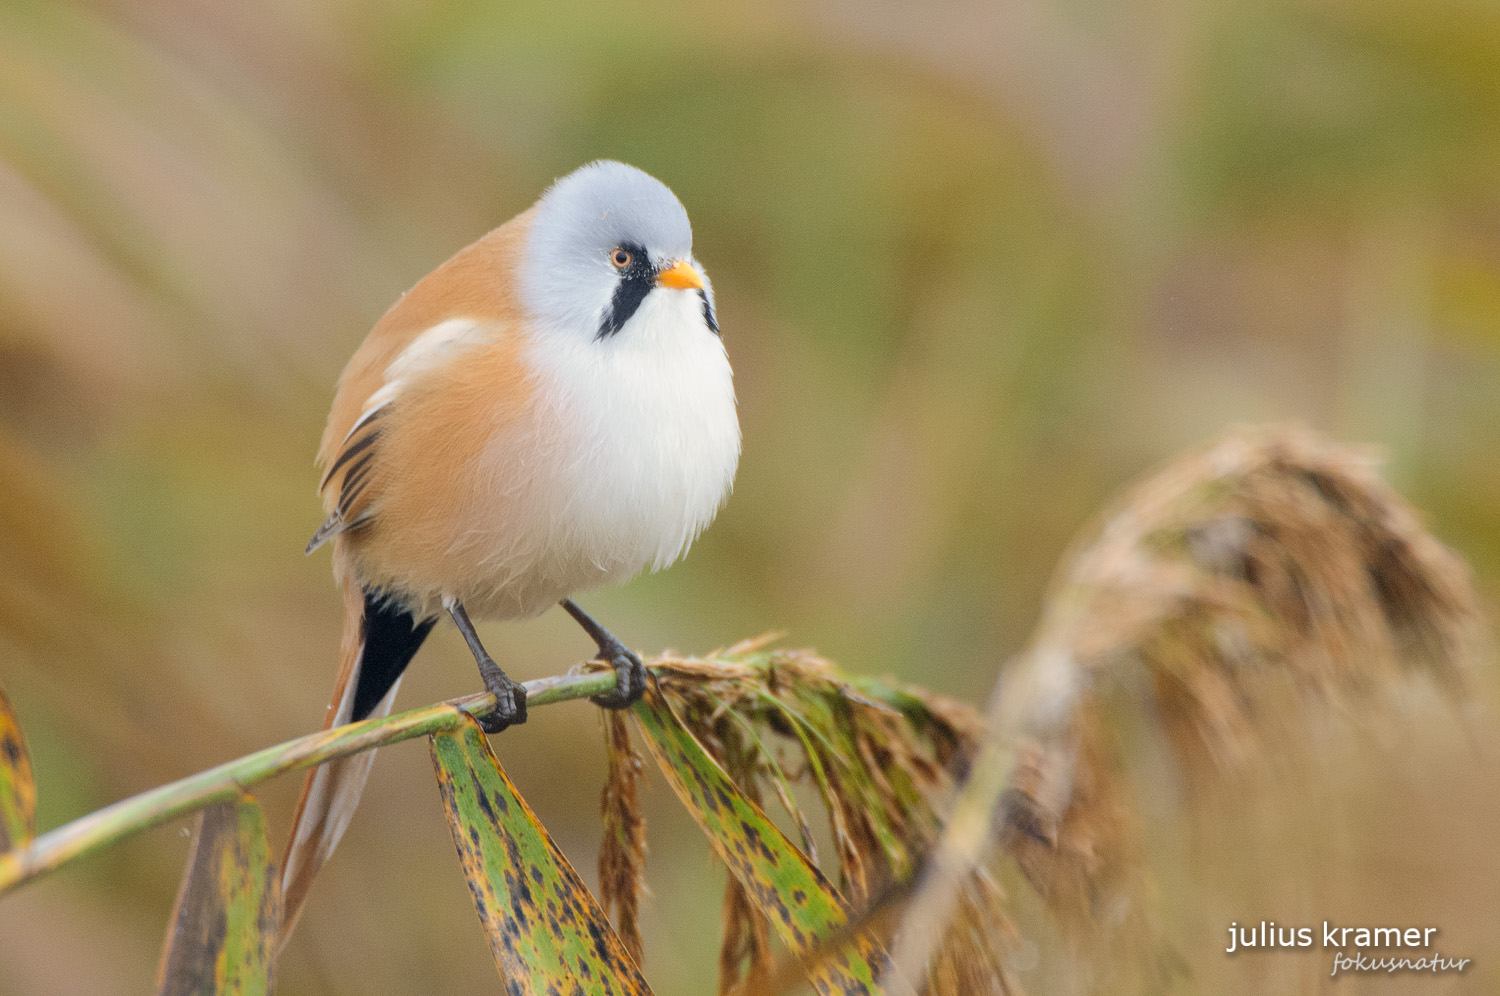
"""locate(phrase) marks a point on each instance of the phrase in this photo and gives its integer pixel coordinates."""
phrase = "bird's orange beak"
(681, 276)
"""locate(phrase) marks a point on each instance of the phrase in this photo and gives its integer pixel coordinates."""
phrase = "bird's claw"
(510, 703)
(630, 679)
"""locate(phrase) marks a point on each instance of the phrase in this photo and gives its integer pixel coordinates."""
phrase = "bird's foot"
(630, 678)
(510, 698)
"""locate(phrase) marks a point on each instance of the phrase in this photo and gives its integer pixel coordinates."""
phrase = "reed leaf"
(17, 788)
(546, 932)
(785, 887)
(882, 756)
(221, 940)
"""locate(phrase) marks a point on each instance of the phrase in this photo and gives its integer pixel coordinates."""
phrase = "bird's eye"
(620, 258)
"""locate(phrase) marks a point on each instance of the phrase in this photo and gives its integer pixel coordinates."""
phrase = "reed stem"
(231, 779)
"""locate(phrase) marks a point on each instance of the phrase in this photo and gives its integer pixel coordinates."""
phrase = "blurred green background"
(978, 265)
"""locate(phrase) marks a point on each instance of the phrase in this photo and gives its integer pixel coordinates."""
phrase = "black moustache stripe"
(708, 312)
(636, 281)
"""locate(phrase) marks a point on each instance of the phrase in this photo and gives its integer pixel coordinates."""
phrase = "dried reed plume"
(1234, 597)
(622, 855)
(1246, 589)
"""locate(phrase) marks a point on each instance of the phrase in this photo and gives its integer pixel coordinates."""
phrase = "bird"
(548, 412)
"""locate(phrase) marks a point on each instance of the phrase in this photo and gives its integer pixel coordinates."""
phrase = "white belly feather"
(635, 446)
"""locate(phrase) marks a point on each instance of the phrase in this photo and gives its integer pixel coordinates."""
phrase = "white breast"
(639, 452)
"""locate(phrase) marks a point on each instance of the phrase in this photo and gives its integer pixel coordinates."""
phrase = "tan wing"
(377, 433)
(473, 290)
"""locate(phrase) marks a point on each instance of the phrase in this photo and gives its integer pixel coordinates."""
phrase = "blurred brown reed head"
(1243, 594)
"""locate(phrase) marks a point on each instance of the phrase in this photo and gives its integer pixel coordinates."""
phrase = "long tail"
(378, 642)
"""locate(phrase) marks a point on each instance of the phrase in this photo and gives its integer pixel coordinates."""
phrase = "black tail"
(392, 637)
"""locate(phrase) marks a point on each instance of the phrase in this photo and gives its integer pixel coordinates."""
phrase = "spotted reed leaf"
(547, 933)
(222, 936)
(17, 790)
(795, 897)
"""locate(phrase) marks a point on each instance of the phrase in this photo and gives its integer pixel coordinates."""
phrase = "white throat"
(648, 434)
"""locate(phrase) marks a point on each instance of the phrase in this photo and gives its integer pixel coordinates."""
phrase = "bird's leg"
(630, 673)
(510, 695)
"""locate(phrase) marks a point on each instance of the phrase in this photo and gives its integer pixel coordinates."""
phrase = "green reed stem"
(228, 781)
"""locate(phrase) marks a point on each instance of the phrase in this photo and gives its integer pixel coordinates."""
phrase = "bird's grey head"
(604, 238)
